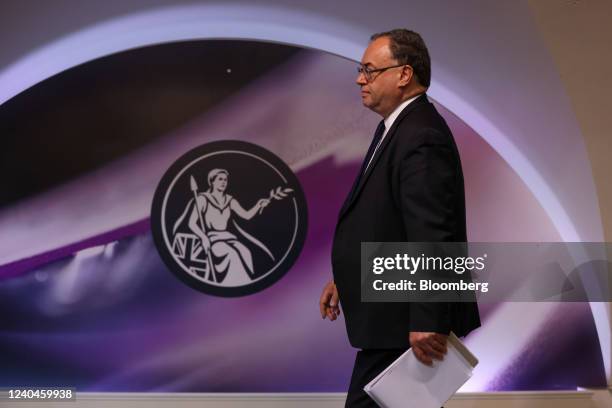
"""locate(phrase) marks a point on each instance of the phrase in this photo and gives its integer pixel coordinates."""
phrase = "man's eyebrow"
(367, 64)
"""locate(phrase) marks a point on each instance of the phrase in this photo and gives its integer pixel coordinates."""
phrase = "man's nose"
(361, 80)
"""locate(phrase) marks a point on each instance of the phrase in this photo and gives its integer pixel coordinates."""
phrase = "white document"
(409, 383)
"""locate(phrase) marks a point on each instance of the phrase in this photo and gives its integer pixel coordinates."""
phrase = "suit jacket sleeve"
(427, 191)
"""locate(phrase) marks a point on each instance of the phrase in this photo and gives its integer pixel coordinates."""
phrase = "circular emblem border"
(218, 147)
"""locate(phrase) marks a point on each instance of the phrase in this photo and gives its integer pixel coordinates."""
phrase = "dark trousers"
(368, 364)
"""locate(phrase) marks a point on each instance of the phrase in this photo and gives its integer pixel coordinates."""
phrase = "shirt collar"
(391, 118)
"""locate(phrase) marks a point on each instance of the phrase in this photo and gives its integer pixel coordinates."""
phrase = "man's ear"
(406, 75)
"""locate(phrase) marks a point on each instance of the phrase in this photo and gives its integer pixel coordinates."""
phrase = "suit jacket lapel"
(351, 198)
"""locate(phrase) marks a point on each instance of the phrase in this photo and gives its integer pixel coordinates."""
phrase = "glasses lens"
(363, 70)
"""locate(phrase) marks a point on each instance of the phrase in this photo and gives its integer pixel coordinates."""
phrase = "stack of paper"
(409, 383)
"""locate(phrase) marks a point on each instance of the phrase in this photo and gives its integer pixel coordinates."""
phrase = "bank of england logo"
(229, 218)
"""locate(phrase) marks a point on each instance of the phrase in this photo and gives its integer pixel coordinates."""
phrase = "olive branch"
(278, 194)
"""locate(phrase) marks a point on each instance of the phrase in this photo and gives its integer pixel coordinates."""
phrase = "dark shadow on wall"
(80, 119)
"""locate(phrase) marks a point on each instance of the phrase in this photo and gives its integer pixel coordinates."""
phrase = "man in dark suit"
(410, 189)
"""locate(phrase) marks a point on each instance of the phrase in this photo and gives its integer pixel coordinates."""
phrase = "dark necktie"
(380, 130)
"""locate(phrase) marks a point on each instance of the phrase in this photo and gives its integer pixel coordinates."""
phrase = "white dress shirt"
(389, 122)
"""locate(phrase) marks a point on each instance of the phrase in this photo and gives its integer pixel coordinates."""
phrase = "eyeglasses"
(367, 72)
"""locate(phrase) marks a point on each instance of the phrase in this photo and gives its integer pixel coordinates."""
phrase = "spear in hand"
(194, 189)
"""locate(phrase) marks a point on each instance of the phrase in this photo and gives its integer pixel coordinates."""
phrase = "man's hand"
(426, 346)
(328, 304)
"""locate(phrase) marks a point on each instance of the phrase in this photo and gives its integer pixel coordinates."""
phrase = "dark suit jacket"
(412, 192)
